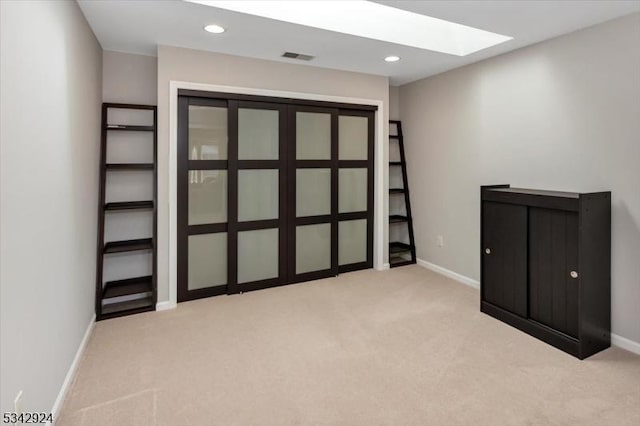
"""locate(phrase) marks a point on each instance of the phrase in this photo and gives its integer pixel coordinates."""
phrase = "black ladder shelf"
(401, 253)
(137, 294)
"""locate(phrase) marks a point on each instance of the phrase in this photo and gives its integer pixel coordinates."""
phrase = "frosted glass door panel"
(258, 136)
(313, 248)
(207, 133)
(207, 196)
(257, 255)
(207, 260)
(352, 190)
(313, 192)
(313, 136)
(353, 139)
(352, 241)
(257, 195)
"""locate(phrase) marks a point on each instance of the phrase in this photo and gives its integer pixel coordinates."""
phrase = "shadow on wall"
(625, 289)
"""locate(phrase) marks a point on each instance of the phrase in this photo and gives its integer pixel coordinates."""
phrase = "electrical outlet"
(440, 241)
(17, 403)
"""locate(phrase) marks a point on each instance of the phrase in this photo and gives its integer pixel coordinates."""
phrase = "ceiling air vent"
(299, 56)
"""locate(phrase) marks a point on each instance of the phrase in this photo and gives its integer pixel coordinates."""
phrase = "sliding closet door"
(313, 166)
(270, 192)
(203, 182)
(355, 190)
(231, 196)
(258, 162)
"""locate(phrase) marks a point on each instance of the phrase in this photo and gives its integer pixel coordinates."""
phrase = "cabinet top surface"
(536, 192)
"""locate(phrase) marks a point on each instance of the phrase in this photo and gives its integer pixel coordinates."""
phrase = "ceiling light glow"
(392, 58)
(215, 29)
(370, 20)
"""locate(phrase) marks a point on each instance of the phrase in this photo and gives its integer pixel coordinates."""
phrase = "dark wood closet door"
(232, 193)
(271, 192)
(504, 256)
(313, 209)
(203, 181)
(553, 256)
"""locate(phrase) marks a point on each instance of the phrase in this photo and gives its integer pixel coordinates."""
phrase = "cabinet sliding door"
(553, 256)
(504, 256)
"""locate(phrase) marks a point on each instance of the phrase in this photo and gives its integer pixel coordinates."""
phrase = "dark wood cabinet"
(546, 262)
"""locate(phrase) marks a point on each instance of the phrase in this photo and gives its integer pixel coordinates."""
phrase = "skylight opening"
(370, 20)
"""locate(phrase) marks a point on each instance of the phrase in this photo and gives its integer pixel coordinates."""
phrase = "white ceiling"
(139, 26)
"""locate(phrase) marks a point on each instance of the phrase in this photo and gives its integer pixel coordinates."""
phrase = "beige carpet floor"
(400, 347)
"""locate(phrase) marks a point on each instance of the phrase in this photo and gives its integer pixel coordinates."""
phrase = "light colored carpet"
(400, 347)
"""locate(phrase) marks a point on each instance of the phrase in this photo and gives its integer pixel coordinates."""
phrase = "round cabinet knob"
(574, 274)
(487, 250)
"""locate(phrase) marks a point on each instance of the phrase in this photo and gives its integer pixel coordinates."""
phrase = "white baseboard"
(57, 405)
(616, 340)
(624, 343)
(450, 274)
(384, 267)
(166, 305)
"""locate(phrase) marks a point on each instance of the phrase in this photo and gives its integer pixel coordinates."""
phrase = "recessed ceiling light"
(215, 29)
(392, 58)
(374, 21)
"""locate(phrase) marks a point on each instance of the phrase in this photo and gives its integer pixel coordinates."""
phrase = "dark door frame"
(286, 164)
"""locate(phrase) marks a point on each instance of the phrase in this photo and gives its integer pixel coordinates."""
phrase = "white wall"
(394, 103)
(563, 114)
(211, 68)
(129, 78)
(50, 84)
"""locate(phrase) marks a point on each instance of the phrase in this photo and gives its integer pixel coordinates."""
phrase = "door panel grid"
(279, 220)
